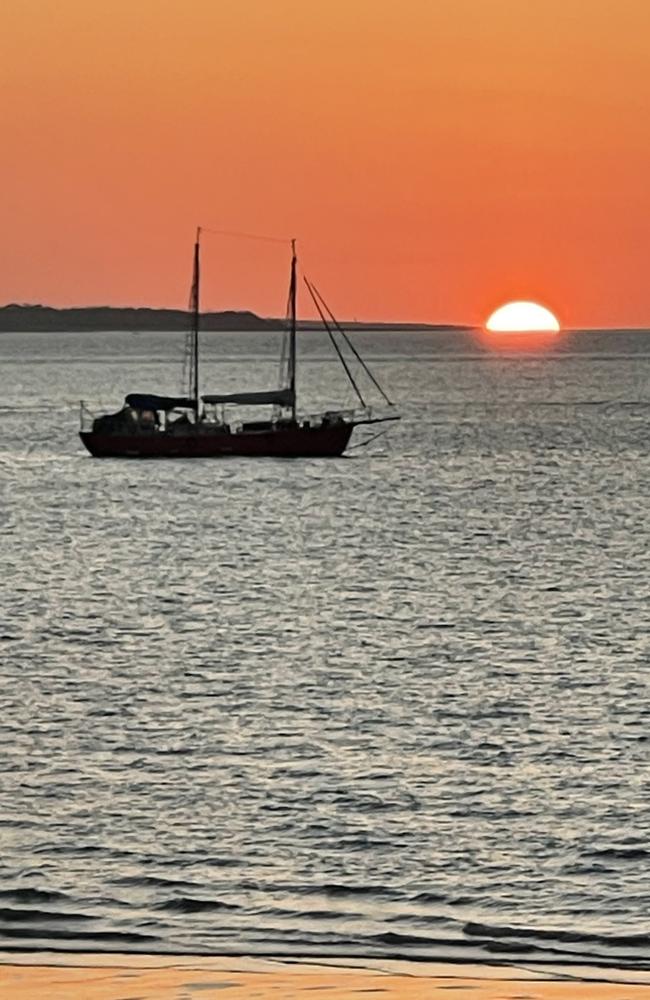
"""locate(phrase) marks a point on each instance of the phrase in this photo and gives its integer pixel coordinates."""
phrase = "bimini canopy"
(149, 401)
(280, 397)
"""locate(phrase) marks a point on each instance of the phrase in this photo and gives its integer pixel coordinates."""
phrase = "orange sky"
(434, 157)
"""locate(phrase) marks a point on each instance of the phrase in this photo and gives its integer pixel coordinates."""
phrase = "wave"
(618, 854)
(19, 916)
(340, 889)
(188, 904)
(452, 940)
(429, 897)
(89, 938)
(154, 882)
(473, 929)
(27, 895)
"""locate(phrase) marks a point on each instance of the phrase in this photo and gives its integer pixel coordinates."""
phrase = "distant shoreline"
(94, 319)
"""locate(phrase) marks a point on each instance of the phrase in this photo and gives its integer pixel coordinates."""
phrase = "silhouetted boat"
(191, 426)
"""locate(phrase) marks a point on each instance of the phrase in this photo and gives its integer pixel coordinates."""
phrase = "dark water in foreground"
(395, 704)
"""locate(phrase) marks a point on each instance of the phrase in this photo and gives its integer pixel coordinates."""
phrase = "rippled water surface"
(390, 704)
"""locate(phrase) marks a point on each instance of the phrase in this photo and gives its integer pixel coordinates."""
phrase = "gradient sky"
(435, 158)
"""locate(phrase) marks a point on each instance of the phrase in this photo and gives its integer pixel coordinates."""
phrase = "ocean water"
(394, 704)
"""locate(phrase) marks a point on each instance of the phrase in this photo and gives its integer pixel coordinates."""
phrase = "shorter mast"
(292, 330)
(194, 388)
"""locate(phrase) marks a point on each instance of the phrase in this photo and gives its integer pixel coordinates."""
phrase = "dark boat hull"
(288, 442)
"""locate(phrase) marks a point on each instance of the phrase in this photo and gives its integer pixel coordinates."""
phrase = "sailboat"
(199, 426)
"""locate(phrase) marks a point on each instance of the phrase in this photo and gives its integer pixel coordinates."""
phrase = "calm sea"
(394, 704)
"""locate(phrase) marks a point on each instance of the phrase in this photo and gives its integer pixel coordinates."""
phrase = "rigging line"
(244, 236)
(353, 348)
(336, 346)
(362, 444)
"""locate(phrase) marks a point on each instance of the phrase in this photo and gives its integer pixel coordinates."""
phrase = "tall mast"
(195, 322)
(292, 329)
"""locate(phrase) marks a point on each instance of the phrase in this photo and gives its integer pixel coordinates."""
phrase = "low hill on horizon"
(15, 318)
(33, 318)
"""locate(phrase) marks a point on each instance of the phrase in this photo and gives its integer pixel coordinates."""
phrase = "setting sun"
(522, 317)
